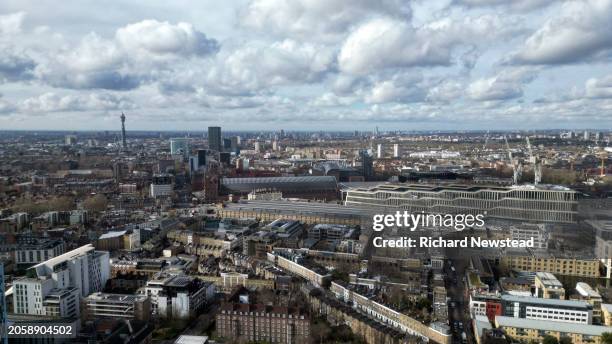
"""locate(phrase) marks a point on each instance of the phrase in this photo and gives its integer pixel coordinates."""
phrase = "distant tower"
(214, 139)
(123, 131)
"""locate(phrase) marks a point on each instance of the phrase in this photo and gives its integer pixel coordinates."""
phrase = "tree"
(565, 340)
(423, 303)
(606, 338)
(96, 203)
(548, 339)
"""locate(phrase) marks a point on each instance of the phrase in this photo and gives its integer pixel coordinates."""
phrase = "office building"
(261, 323)
(121, 306)
(214, 139)
(161, 186)
(123, 138)
(227, 144)
(396, 151)
(324, 231)
(38, 296)
(534, 331)
(603, 243)
(526, 231)
(547, 286)
(201, 158)
(70, 140)
(524, 202)
(367, 164)
(178, 296)
(310, 187)
(37, 251)
(591, 296)
(4, 339)
(485, 304)
(180, 147)
(83, 268)
(566, 311)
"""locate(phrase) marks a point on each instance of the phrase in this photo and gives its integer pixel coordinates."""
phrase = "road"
(459, 318)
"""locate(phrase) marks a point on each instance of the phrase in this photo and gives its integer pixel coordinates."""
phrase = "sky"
(306, 64)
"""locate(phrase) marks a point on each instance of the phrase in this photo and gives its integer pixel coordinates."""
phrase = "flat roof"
(289, 207)
(300, 182)
(403, 187)
(547, 325)
(548, 302)
(185, 339)
(77, 252)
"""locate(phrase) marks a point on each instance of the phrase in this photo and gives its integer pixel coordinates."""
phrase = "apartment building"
(389, 316)
(260, 323)
(530, 330)
(546, 262)
(295, 263)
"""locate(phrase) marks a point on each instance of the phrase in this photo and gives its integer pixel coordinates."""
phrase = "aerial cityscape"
(297, 172)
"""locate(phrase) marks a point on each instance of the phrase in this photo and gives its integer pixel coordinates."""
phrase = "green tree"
(606, 338)
(548, 339)
(565, 340)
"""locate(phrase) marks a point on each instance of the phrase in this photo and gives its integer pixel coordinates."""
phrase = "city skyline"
(447, 65)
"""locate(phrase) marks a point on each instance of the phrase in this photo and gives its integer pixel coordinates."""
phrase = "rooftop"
(70, 255)
(545, 325)
(548, 302)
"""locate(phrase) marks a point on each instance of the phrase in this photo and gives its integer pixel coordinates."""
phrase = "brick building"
(258, 323)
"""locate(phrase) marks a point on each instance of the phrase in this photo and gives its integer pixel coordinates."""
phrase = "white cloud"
(583, 31)
(254, 67)
(10, 24)
(163, 38)
(520, 5)
(599, 87)
(5, 106)
(383, 43)
(507, 84)
(389, 43)
(52, 102)
(401, 88)
(445, 91)
(316, 19)
(329, 99)
(137, 54)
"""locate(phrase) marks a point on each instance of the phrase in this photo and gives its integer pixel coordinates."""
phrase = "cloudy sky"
(306, 64)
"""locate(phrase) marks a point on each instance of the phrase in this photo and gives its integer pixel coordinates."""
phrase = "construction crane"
(517, 167)
(535, 161)
(484, 146)
(603, 155)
